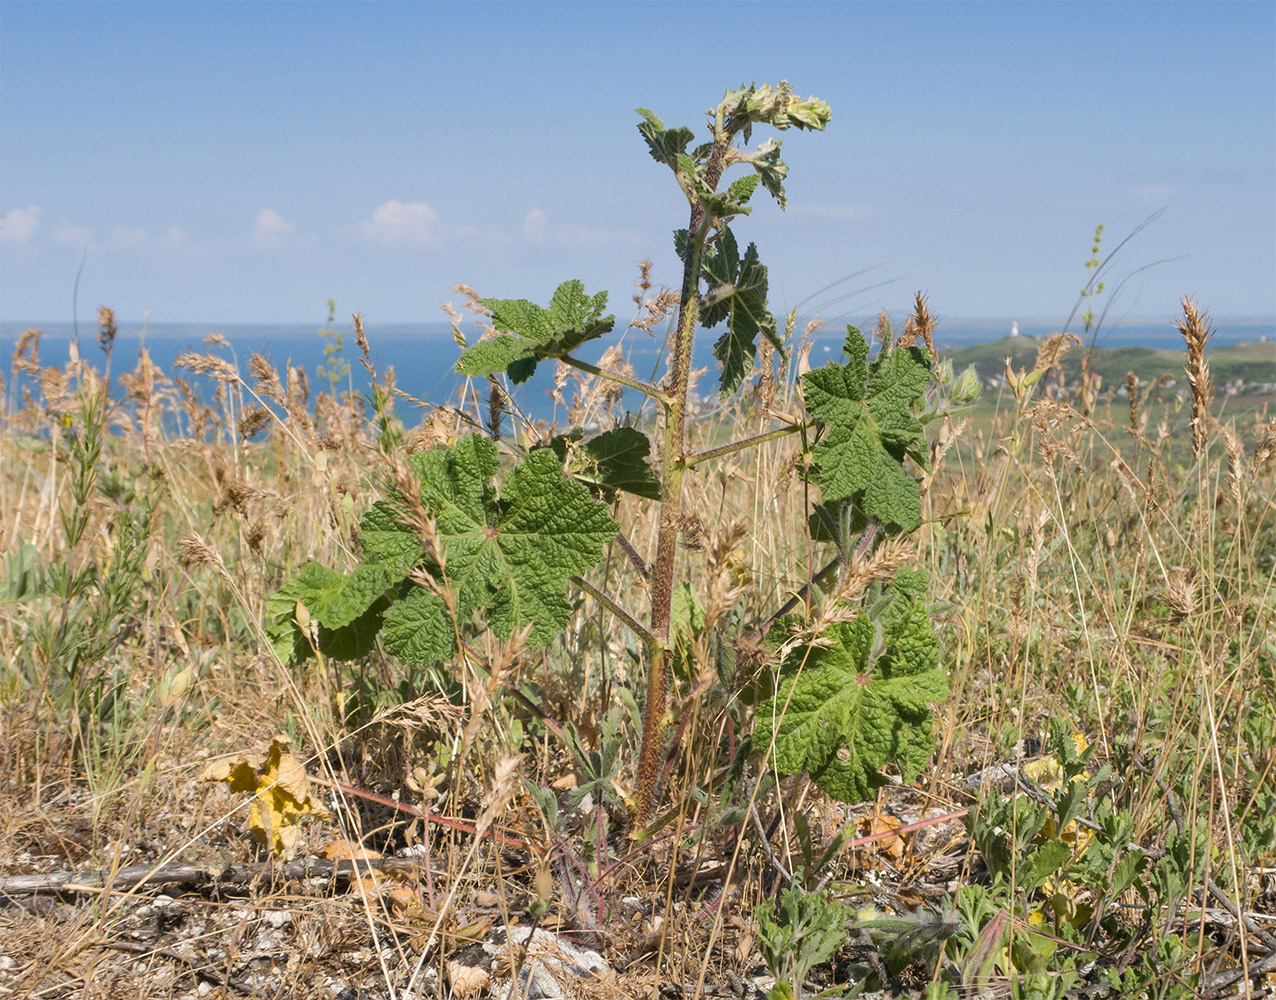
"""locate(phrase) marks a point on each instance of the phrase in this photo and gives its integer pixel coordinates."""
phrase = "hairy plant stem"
(602, 598)
(742, 443)
(646, 388)
(639, 563)
(674, 464)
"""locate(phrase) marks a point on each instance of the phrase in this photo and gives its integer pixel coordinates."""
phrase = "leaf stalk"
(602, 598)
(646, 388)
(743, 443)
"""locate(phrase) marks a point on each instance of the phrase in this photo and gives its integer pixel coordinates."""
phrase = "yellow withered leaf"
(281, 793)
(1048, 773)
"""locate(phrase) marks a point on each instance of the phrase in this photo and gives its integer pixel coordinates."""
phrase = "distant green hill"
(1253, 362)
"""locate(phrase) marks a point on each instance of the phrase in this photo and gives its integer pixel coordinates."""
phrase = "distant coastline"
(956, 331)
(423, 355)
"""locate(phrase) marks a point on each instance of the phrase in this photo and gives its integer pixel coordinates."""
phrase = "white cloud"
(269, 227)
(537, 228)
(491, 236)
(19, 224)
(73, 236)
(128, 236)
(121, 238)
(412, 222)
(534, 225)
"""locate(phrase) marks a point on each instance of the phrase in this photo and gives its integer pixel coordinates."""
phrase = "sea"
(424, 355)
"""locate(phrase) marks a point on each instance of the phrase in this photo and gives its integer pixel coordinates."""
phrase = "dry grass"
(1121, 581)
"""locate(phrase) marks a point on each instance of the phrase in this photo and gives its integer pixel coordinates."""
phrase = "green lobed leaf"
(386, 541)
(1127, 869)
(686, 620)
(495, 355)
(355, 640)
(346, 609)
(910, 643)
(335, 600)
(1048, 859)
(611, 461)
(534, 333)
(841, 712)
(737, 293)
(686, 615)
(666, 145)
(771, 170)
(680, 241)
(417, 629)
(512, 553)
(618, 461)
(741, 189)
(456, 483)
(869, 426)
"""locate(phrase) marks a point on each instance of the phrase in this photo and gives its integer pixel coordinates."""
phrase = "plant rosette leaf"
(867, 411)
(530, 333)
(281, 793)
(862, 698)
(800, 931)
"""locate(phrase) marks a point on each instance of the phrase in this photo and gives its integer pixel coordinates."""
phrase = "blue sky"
(233, 162)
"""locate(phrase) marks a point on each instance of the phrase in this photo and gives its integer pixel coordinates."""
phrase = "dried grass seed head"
(1235, 466)
(1264, 447)
(883, 333)
(1196, 332)
(1051, 350)
(920, 324)
(209, 365)
(106, 328)
(252, 421)
(361, 340)
(878, 566)
(26, 353)
(1180, 593)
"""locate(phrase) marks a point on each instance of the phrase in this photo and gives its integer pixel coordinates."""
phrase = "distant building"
(1014, 328)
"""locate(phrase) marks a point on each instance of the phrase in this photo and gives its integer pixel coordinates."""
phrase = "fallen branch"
(197, 876)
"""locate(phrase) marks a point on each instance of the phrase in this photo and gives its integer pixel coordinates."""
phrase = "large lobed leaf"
(844, 710)
(736, 291)
(506, 552)
(509, 553)
(867, 410)
(610, 461)
(532, 333)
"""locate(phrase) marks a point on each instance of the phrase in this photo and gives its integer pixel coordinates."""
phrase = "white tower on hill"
(1014, 328)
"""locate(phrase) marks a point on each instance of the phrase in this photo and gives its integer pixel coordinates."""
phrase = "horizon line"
(213, 325)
